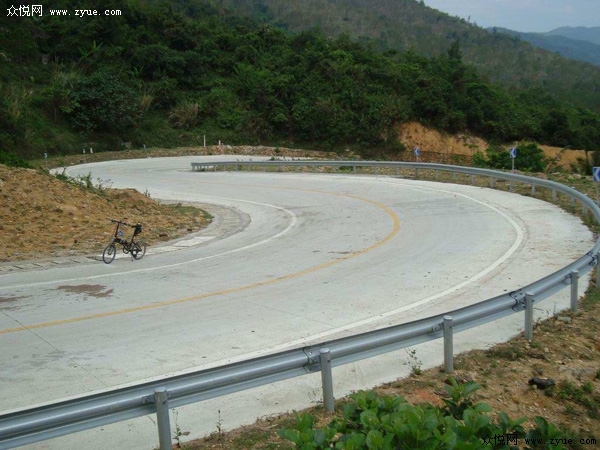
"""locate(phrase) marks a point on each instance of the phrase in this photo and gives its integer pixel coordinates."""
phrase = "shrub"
(103, 103)
(530, 158)
(184, 115)
(12, 160)
(372, 421)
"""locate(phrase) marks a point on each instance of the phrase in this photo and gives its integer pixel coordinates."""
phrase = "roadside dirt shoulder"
(43, 217)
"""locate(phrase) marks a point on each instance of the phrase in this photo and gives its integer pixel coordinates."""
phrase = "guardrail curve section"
(156, 397)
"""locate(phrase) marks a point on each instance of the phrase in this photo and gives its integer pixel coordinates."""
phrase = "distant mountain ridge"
(400, 25)
(589, 34)
(560, 41)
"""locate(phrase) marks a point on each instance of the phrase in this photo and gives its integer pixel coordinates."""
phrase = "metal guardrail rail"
(31, 425)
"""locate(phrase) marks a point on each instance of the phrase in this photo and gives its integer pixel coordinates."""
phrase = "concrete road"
(318, 256)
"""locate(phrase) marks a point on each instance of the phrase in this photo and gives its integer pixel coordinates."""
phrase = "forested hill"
(567, 47)
(410, 24)
(167, 74)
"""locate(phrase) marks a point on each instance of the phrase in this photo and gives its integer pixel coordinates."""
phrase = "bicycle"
(136, 248)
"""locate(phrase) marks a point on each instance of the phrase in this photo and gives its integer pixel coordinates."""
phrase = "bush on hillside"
(12, 160)
(530, 158)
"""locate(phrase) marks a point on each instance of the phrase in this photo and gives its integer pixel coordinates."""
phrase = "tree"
(103, 103)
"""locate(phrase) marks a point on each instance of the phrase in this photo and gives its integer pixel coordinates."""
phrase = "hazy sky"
(524, 15)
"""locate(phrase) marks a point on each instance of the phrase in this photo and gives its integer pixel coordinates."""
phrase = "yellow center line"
(324, 265)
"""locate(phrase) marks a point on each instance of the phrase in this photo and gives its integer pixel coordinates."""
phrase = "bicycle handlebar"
(122, 223)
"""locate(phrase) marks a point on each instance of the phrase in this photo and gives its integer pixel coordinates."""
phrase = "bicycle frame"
(136, 248)
(117, 237)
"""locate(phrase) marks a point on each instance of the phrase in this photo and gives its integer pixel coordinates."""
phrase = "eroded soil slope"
(42, 216)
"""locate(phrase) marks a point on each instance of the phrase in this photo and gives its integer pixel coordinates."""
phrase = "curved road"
(317, 257)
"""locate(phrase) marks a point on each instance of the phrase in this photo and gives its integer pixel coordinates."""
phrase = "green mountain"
(409, 24)
(169, 73)
(568, 47)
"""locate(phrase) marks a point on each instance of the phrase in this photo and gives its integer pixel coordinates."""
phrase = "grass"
(583, 395)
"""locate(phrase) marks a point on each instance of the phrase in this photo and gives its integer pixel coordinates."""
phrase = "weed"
(219, 426)
(581, 396)
(178, 433)
(510, 352)
(84, 181)
(251, 437)
(592, 297)
(414, 362)
(103, 184)
(550, 391)
(184, 115)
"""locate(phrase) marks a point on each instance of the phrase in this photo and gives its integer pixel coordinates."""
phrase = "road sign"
(513, 152)
(596, 173)
(417, 151)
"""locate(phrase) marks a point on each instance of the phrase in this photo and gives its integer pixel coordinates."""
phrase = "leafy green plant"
(460, 397)
(372, 421)
(544, 436)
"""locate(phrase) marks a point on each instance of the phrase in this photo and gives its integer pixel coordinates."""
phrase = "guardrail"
(156, 397)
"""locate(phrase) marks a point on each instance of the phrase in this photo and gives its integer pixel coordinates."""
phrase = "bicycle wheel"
(109, 253)
(138, 250)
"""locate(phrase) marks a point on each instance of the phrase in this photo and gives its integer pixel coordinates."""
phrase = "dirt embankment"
(447, 148)
(42, 216)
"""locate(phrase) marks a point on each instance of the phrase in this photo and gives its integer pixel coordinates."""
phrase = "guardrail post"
(574, 290)
(512, 187)
(492, 182)
(162, 419)
(554, 196)
(448, 345)
(437, 175)
(472, 179)
(529, 299)
(533, 190)
(354, 169)
(326, 379)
